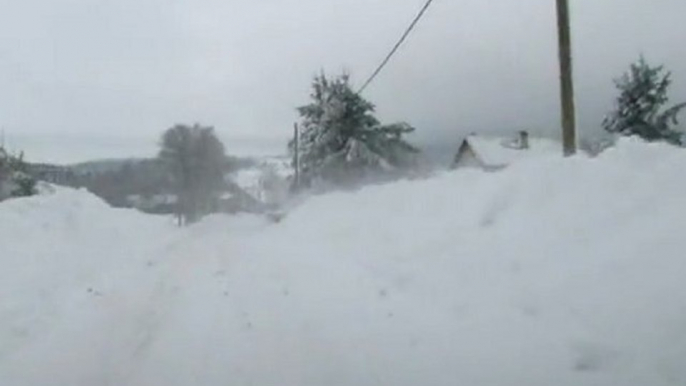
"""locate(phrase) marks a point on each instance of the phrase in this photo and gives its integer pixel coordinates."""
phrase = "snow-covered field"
(552, 272)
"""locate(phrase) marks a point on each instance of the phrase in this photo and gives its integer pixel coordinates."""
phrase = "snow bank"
(551, 272)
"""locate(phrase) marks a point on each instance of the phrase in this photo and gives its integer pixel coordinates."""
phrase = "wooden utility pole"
(566, 79)
(296, 156)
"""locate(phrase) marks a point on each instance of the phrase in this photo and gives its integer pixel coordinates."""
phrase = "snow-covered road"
(564, 272)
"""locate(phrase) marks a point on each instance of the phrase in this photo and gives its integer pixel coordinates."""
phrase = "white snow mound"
(551, 272)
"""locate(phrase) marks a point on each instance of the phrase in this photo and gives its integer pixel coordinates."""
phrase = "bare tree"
(195, 159)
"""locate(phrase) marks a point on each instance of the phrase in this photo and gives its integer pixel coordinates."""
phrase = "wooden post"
(296, 156)
(566, 79)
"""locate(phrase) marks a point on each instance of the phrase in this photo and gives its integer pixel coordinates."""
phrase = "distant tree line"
(117, 182)
(145, 184)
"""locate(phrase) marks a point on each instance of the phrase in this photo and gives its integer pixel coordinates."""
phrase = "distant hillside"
(120, 181)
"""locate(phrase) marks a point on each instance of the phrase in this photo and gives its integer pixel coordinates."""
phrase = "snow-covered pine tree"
(341, 140)
(643, 93)
(5, 171)
(24, 184)
(15, 179)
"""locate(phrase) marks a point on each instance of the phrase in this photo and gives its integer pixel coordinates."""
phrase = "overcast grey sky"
(135, 67)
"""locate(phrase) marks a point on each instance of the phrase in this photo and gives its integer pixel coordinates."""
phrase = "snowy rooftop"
(501, 151)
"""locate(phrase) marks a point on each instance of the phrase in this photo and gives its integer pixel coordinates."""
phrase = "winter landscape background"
(202, 192)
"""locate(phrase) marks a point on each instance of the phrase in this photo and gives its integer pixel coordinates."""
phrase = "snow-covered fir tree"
(639, 107)
(341, 140)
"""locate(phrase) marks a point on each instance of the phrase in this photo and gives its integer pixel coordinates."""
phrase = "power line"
(397, 45)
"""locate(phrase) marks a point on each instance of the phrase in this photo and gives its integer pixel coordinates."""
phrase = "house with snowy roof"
(493, 153)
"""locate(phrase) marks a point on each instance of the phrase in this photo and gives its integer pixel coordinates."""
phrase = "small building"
(491, 153)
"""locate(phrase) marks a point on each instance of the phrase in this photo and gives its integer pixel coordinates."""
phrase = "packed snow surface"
(551, 272)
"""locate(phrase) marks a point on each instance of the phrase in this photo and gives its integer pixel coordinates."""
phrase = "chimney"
(524, 140)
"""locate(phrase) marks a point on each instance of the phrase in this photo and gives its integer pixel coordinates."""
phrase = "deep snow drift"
(552, 272)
